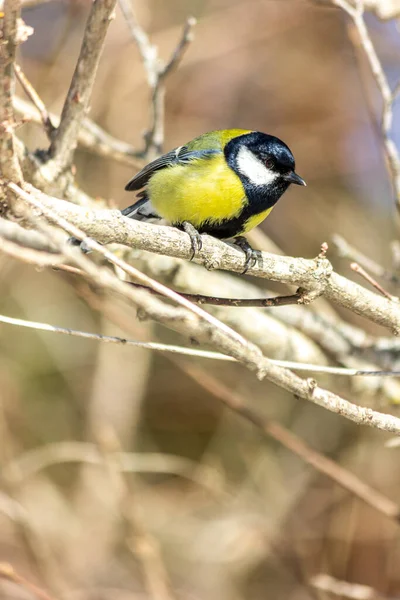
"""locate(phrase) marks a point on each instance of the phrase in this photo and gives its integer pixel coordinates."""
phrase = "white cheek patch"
(251, 167)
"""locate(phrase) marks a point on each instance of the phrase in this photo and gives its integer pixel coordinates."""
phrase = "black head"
(264, 164)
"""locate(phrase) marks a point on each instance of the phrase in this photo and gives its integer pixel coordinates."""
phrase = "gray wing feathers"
(179, 155)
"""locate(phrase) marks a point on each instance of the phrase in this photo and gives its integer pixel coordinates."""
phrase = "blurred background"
(230, 513)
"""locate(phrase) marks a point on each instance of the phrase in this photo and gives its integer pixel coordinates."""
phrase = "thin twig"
(28, 238)
(29, 255)
(298, 298)
(346, 250)
(91, 136)
(7, 571)
(33, 461)
(138, 540)
(363, 273)
(36, 99)
(156, 71)
(158, 347)
(356, 12)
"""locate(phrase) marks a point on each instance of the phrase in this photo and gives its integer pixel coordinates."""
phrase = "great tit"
(222, 183)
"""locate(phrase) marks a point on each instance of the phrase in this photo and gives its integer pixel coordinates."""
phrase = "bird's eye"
(269, 163)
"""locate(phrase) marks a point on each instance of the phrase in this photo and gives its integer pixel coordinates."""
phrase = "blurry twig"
(26, 4)
(65, 137)
(91, 136)
(345, 589)
(363, 273)
(37, 101)
(356, 12)
(156, 71)
(346, 250)
(28, 238)
(139, 541)
(33, 461)
(8, 572)
(328, 467)
(29, 255)
(33, 539)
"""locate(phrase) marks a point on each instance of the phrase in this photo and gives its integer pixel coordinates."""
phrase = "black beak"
(292, 177)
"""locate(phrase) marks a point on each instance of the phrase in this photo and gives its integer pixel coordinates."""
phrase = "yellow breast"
(256, 220)
(204, 190)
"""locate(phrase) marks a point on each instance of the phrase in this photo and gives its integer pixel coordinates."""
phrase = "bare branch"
(9, 165)
(156, 71)
(76, 105)
(346, 250)
(199, 325)
(363, 273)
(177, 54)
(27, 238)
(91, 136)
(298, 298)
(356, 12)
(37, 101)
(316, 276)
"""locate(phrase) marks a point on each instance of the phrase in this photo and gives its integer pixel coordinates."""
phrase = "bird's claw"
(250, 254)
(195, 238)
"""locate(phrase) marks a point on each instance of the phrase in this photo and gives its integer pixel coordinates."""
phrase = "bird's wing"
(180, 156)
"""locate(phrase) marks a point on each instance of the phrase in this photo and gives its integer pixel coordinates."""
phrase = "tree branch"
(9, 165)
(156, 71)
(91, 136)
(315, 276)
(356, 13)
(76, 105)
(195, 323)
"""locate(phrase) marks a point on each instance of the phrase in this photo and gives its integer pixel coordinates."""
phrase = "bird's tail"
(142, 210)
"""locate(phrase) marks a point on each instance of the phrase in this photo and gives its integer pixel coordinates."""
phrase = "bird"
(222, 183)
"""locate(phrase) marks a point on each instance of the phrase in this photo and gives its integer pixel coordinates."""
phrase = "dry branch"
(195, 323)
(356, 12)
(315, 276)
(156, 71)
(9, 165)
(91, 136)
(65, 138)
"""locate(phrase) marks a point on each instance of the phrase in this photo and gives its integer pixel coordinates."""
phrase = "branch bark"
(76, 105)
(195, 323)
(9, 165)
(314, 275)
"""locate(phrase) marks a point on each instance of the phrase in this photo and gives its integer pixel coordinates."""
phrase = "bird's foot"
(72, 241)
(195, 238)
(250, 254)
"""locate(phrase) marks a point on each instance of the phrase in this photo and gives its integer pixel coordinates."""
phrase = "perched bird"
(222, 183)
